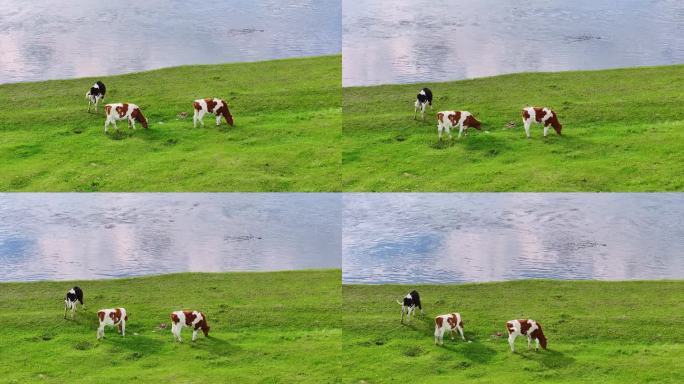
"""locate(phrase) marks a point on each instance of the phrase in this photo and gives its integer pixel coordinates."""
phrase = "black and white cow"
(408, 306)
(424, 98)
(73, 297)
(96, 94)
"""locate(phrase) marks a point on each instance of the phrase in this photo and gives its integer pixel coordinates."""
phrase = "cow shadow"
(549, 358)
(472, 349)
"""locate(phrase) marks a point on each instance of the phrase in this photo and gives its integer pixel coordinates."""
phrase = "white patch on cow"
(177, 327)
(533, 119)
(446, 124)
(113, 115)
(440, 330)
(108, 321)
(517, 331)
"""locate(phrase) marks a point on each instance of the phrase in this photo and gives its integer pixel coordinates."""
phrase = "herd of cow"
(132, 113)
(464, 119)
(454, 323)
(117, 317)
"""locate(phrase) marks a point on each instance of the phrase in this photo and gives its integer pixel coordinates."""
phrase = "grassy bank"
(285, 138)
(280, 327)
(598, 332)
(623, 131)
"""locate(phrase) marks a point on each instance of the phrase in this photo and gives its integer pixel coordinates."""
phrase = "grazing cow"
(123, 111)
(95, 94)
(544, 116)
(449, 119)
(525, 327)
(453, 322)
(115, 317)
(408, 306)
(218, 107)
(194, 319)
(424, 98)
(73, 297)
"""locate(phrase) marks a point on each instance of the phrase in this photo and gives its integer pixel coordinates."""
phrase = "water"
(76, 38)
(458, 237)
(106, 235)
(407, 41)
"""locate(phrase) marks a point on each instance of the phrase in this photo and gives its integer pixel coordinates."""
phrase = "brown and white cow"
(525, 327)
(449, 119)
(193, 319)
(541, 115)
(123, 111)
(115, 317)
(218, 107)
(453, 322)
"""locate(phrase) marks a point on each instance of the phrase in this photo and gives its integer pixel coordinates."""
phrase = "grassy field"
(622, 131)
(598, 332)
(280, 327)
(286, 134)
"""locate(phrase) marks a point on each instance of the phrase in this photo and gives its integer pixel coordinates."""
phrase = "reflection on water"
(76, 38)
(465, 237)
(406, 41)
(102, 235)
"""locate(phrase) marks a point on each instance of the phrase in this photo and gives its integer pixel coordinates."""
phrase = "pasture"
(623, 130)
(286, 134)
(275, 327)
(598, 332)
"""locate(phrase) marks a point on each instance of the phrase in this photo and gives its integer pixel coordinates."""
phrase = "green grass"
(622, 131)
(598, 332)
(280, 327)
(286, 134)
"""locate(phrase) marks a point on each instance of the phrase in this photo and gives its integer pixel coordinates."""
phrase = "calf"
(525, 327)
(408, 306)
(115, 317)
(123, 111)
(95, 94)
(217, 107)
(449, 119)
(73, 297)
(544, 116)
(194, 319)
(453, 322)
(424, 98)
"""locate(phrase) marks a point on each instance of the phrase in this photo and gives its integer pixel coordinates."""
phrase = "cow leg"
(73, 311)
(511, 341)
(415, 111)
(460, 130)
(451, 333)
(546, 130)
(106, 124)
(439, 131)
(529, 342)
(527, 123)
(460, 330)
(131, 123)
(422, 111)
(536, 348)
(218, 120)
(194, 334)
(65, 308)
(194, 119)
(448, 130)
(201, 118)
(402, 314)
(100, 331)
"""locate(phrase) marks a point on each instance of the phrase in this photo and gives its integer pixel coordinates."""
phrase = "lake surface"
(107, 235)
(464, 237)
(407, 41)
(64, 39)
